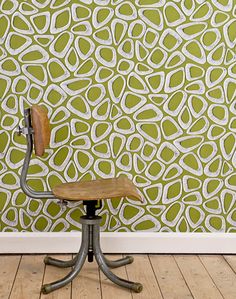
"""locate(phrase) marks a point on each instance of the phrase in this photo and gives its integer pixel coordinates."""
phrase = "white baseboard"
(126, 242)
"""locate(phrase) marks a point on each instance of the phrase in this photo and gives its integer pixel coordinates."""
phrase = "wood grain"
(222, 274)
(87, 284)
(40, 124)
(141, 271)
(8, 270)
(197, 278)
(29, 278)
(111, 290)
(97, 189)
(231, 260)
(169, 277)
(162, 276)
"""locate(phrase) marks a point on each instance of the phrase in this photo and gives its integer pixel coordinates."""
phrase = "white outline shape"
(47, 23)
(66, 48)
(54, 144)
(177, 22)
(172, 148)
(202, 130)
(53, 28)
(214, 43)
(2, 39)
(16, 72)
(146, 107)
(115, 99)
(96, 138)
(32, 49)
(199, 171)
(180, 30)
(147, 21)
(150, 45)
(145, 135)
(145, 90)
(22, 17)
(102, 174)
(185, 184)
(64, 86)
(162, 81)
(21, 48)
(104, 22)
(216, 120)
(106, 63)
(131, 27)
(12, 10)
(106, 42)
(124, 131)
(62, 77)
(201, 218)
(125, 27)
(125, 17)
(84, 115)
(91, 71)
(177, 36)
(31, 77)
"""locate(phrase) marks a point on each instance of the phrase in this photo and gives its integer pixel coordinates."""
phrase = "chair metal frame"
(90, 244)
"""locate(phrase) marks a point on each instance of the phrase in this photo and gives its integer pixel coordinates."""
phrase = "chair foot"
(46, 289)
(118, 263)
(137, 287)
(58, 263)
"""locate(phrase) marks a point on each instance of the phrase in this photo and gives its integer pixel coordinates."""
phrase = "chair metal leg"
(90, 241)
(135, 286)
(58, 263)
(48, 288)
(118, 263)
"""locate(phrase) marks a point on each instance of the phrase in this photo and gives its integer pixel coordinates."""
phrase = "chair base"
(90, 246)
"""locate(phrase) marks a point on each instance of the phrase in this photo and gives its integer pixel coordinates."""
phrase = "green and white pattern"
(143, 88)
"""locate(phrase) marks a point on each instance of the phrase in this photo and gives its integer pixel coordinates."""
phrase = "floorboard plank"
(141, 271)
(8, 268)
(170, 279)
(197, 278)
(222, 275)
(29, 278)
(111, 290)
(231, 260)
(163, 276)
(52, 274)
(87, 284)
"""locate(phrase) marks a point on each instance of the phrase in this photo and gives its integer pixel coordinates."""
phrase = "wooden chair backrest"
(41, 127)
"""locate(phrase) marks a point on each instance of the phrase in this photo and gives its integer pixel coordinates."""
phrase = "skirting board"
(127, 242)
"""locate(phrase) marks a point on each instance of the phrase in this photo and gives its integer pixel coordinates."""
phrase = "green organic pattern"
(140, 88)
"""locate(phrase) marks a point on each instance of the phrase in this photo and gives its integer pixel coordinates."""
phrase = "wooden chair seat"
(97, 189)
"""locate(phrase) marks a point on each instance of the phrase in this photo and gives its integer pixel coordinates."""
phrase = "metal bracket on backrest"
(24, 131)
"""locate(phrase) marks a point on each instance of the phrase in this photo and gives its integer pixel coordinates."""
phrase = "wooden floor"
(163, 276)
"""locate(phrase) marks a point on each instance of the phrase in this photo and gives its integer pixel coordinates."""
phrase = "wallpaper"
(143, 88)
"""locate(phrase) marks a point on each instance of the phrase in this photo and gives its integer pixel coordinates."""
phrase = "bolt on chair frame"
(90, 244)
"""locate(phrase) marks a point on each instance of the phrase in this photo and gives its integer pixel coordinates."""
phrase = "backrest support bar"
(23, 178)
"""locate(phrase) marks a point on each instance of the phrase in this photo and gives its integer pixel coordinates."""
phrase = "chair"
(37, 131)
